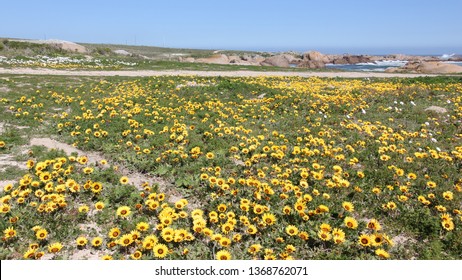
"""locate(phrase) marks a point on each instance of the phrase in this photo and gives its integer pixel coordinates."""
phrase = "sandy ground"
(135, 178)
(147, 73)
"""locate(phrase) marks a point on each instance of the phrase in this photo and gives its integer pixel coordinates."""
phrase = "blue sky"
(330, 26)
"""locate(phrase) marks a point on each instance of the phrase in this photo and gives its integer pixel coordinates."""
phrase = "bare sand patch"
(6, 182)
(7, 160)
(4, 89)
(135, 178)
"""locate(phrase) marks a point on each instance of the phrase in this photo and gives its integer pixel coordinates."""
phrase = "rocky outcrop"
(291, 58)
(224, 59)
(277, 60)
(439, 67)
(350, 59)
(313, 60)
(311, 64)
(234, 59)
(427, 67)
(215, 59)
(316, 56)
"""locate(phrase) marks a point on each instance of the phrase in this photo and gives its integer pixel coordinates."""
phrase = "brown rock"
(351, 59)
(215, 59)
(291, 58)
(311, 64)
(234, 59)
(438, 68)
(340, 60)
(277, 60)
(428, 67)
(316, 56)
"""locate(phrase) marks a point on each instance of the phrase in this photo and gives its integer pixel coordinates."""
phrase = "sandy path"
(135, 178)
(147, 73)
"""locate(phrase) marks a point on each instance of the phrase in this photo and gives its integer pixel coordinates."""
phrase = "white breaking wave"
(385, 63)
(447, 56)
(454, 62)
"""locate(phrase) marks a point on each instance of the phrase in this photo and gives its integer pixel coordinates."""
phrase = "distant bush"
(102, 51)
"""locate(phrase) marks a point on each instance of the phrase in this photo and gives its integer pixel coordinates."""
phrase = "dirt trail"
(68, 149)
(243, 73)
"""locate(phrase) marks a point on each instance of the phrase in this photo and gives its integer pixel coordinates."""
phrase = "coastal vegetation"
(230, 168)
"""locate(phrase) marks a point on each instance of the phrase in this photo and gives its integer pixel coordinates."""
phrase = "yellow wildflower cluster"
(273, 167)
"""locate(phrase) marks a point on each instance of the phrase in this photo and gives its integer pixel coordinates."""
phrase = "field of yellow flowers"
(252, 168)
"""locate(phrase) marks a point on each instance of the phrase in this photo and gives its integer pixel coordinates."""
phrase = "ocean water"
(377, 66)
(455, 62)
